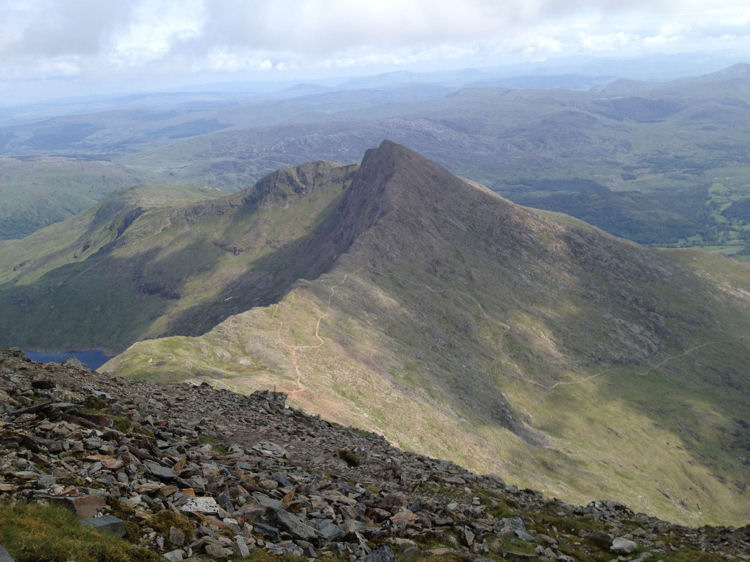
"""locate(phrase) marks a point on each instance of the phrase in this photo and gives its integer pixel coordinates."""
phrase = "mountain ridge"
(156, 247)
(666, 161)
(464, 326)
(397, 297)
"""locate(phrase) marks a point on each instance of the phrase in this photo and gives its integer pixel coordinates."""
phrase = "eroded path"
(293, 349)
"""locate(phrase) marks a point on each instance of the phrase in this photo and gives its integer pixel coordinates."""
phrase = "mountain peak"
(398, 182)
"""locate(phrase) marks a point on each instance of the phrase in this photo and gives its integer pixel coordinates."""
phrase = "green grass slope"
(141, 264)
(462, 326)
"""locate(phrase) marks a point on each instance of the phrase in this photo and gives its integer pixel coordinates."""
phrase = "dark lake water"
(92, 359)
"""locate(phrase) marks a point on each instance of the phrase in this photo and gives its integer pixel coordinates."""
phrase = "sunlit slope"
(462, 326)
(150, 262)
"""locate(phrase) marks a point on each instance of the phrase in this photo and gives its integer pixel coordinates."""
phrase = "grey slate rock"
(328, 529)
(159, 471)
(622, 545)
(282, 480)
(175, 555)
(176, 537)
(295, 525)
(225, 501)
(201, 504)
(266, 501)
(46, 480)
(284, 548)
(514, 526)
(265, 530)
(74, 363)
(217, 551)
(107, 525)
(382, 554)
(240, 546)
(4, 555)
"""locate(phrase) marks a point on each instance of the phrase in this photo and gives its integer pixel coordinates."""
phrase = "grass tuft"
(34, 533)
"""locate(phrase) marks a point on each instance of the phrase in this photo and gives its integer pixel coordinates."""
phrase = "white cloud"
(607, 42)
(117, 40)
(155, 29)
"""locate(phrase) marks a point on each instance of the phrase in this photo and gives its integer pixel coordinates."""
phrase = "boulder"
(107, 525)
(621, 545)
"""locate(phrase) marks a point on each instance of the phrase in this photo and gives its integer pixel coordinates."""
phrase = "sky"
(57, 48)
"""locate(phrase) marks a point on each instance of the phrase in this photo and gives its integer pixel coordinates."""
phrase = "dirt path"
(293, 349)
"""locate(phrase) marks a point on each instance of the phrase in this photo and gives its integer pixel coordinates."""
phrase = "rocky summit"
(190, 472)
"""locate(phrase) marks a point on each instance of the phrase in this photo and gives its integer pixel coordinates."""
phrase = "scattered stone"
(240, 546)
(217, 551)
(265, 484)
(83, 506)
(294, 525)
(514, 526)
(175, 555)
(202, 504)
(159, 471)
(176, 537)
(74, 363)
(382, 554)
(327, 529)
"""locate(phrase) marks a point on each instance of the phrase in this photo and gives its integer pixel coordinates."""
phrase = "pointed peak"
(390, 149)
(390, 157)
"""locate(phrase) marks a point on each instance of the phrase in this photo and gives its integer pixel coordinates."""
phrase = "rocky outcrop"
(190, 471)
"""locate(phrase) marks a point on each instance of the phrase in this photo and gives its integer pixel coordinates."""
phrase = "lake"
(93, 359)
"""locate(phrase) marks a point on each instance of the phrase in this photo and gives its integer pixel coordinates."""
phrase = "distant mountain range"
(658, 163)
(397, 297)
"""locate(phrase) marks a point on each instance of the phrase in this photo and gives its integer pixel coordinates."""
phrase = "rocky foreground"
(192, 472)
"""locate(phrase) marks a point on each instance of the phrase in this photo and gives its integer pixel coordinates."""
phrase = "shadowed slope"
(144, 263)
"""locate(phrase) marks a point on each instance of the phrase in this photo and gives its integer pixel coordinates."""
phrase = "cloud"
(48, 28)
(97, 40)
(154, 29)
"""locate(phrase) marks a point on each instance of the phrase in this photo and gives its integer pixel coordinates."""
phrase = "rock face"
(192, 471)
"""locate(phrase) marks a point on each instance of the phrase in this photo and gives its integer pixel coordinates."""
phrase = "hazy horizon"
(51, 50)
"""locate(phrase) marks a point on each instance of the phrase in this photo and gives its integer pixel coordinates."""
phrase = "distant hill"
(397, 297)
(37, 192)
(669, 158)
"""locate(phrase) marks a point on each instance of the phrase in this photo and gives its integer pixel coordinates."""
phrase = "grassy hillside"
(546, 351)
(38, 192)
(157, 260)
